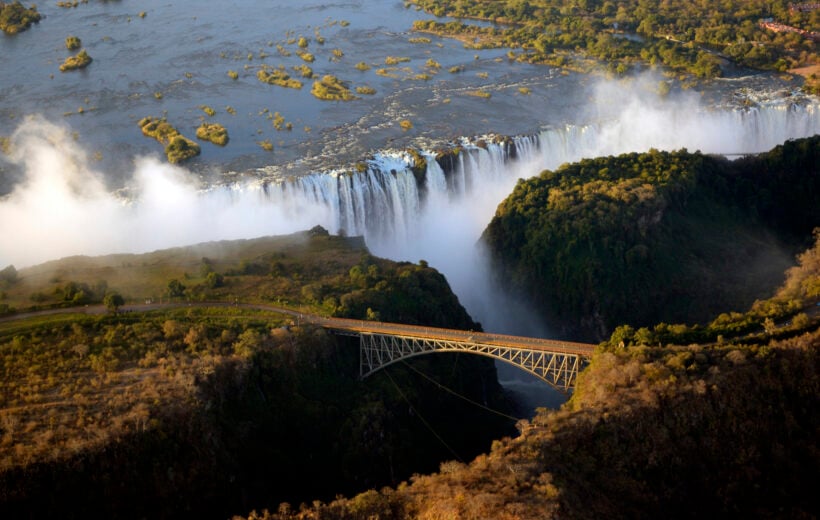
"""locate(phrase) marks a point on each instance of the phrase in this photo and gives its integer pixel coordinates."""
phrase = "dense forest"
(721, 429)
(211, 411)
(687, 37)
(657, 236)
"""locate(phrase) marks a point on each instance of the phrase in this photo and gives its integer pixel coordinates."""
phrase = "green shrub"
(15, 18)
(180, 149)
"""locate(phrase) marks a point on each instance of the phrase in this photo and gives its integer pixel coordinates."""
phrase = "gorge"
(419, 179)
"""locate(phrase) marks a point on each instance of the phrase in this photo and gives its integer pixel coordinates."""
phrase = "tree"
(9, 274)
(113, 301)
(214, 280)
(176, 289)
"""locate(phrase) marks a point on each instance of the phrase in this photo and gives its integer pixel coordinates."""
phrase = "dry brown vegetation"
(71, 387)
(650, 433)
(173, 410)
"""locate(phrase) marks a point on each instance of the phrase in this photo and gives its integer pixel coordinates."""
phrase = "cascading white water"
(441, 220)
(63, 207)
(386, 204)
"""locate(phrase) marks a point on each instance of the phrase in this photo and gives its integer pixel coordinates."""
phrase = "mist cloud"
(63, 208)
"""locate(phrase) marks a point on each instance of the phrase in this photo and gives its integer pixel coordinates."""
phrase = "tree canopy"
(656, 236)
(678, 34)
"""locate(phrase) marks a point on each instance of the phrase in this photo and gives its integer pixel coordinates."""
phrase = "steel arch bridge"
(382, 344)
(558, 369)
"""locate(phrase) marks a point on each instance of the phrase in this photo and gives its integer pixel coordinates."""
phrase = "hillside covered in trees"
(686, 37)
(194, 410)
(721, 429)
(655, 237)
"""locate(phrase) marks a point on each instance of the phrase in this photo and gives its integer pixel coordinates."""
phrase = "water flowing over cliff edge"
(409, 204)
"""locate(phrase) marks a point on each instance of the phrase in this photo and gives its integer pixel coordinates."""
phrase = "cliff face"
(655, 237)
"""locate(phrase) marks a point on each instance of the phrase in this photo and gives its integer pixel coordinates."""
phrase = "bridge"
(382, 344)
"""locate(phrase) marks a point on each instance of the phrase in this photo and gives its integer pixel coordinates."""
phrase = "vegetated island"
(156, 411)
(686, 37)
(656, 237)
(277, 76)
(213, 132)
(14, 17)
(79, 61)
(73, 43)
(178, 148)
(331, 88)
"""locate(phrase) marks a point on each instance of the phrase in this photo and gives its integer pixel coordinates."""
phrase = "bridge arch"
(558, 369)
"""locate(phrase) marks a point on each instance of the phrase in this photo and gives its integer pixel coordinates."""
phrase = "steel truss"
(558, 369)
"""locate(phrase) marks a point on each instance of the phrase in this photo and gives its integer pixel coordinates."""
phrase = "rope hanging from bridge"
(464, 397)
(423, 420)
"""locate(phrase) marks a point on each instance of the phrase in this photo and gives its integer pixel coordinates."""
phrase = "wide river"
(176, 60)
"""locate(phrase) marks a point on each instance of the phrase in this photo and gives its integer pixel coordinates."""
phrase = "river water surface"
(176, 59)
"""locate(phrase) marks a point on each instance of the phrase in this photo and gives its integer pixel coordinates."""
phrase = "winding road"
(344, 325)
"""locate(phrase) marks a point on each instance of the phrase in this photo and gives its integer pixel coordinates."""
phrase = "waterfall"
(386, 203)
(431, 204)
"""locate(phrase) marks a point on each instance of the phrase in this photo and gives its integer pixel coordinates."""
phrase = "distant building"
(804, 8)
(780, 27)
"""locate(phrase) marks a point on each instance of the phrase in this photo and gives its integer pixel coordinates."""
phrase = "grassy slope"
(141, 276)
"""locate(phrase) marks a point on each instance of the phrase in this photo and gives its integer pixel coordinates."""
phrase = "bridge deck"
(435, 333)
